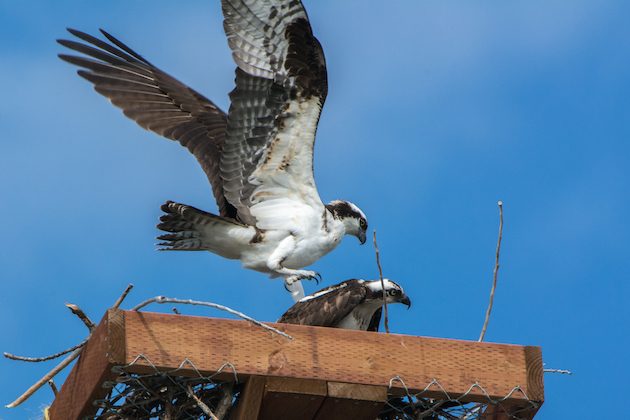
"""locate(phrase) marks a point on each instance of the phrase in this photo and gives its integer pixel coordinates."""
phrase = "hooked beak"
(362, 237)
(405, 299)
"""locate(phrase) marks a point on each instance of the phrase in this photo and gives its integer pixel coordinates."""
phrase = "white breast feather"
(285, 175)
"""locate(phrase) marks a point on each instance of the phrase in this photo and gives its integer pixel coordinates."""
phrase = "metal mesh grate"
(416, 406)
(159, 394)
(170, 395)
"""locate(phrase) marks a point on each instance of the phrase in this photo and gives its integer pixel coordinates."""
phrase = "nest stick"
(206, 410)
(164, 299)
(123, 296)
(53, 387)
(225, 403)
(76, 351)
(82, 316)
(45, 358)
(380, 276)
(495, 274)
(65, 362)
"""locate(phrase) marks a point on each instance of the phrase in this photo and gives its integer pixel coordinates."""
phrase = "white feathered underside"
(285, 175)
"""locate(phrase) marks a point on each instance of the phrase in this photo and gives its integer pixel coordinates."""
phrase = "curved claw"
(318, 278)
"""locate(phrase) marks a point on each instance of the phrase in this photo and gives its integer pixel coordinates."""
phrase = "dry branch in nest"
(74, 351)
(380, 276)
(495, 273)
(224, 403)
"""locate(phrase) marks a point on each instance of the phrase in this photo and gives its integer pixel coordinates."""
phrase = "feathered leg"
(291, 276)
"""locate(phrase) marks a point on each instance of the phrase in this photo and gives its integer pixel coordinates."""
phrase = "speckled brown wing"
(281, 86)
(154, 100)
(327, 307)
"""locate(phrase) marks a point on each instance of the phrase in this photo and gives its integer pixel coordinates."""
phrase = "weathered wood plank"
(338, 355)
(292, 399)
(358, 402)
(314, 354)
(83, 385)
(250, 401)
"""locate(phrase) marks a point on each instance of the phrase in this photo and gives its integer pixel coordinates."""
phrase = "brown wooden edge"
(104, 349)
(110, 343)
(271, 398)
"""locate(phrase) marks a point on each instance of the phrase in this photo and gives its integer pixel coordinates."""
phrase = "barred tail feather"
(191, 229)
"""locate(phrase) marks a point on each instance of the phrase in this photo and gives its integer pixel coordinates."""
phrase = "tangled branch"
(74, 351)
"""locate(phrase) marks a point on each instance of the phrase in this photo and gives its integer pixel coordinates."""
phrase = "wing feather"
(327, 307)
(155, 100)
(281, 86)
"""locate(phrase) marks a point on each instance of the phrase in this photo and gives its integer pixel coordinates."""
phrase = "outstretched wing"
(155, 100)
(327, 307)
(281, 86)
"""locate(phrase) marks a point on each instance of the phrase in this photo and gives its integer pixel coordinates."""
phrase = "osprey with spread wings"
(258, 157)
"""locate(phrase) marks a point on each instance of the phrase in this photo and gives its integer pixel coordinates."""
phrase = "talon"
(318, 278)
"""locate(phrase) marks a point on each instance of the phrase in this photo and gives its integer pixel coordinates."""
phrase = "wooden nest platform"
(149, 365)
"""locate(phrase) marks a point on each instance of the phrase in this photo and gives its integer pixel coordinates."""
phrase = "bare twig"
(123, 296)
(45, 379)
(206, 410)
(225, 403)
(45, 358)
(82, 316)
(76, 351)
(560, 371)
(380, 275)
(163, 299)
(495, 274)
(55, 391)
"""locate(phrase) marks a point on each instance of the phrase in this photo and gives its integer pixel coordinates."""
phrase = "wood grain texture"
(83, 384)
(250, 401)
(358, 402)
(292, 399)
(337, 355)
(278, 368)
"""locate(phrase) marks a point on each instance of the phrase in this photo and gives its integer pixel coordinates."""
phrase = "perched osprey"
(258, 157)
(352, 304)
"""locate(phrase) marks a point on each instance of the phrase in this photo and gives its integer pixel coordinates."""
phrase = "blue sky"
(436, 110)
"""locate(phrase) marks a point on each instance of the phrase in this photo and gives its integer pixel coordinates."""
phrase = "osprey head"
(393, 292)
(353, 218)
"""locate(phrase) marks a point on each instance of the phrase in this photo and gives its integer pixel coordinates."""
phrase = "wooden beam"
(338, 355)
(83, 385)
(292, 399)
(250, 401)
(315, 353)
(352, 401)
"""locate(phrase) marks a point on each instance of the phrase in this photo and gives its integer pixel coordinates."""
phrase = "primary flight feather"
(258, 157)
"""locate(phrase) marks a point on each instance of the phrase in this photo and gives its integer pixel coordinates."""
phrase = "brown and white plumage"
(259, 157)
(352, 304)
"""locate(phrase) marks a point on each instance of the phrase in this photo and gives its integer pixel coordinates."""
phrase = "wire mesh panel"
(168, 394)
(159, 394)
(415, 406)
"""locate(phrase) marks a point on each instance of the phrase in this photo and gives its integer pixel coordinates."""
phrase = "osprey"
(352, 304)
(258, 157)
